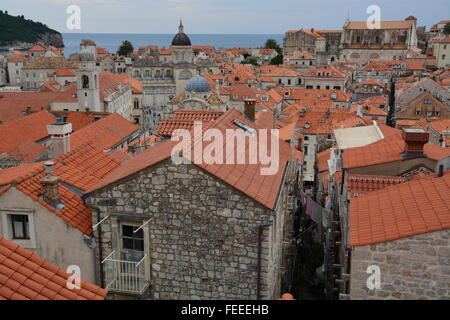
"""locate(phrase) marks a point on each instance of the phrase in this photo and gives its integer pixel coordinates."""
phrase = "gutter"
(258, 266)
(100, 247)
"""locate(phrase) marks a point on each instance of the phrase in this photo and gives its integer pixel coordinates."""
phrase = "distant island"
(21, 33)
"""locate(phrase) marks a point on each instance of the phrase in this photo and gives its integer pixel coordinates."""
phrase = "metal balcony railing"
(125, 276)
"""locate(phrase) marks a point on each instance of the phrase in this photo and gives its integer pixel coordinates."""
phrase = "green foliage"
(272, 44)
(277, 60)
(447, 29)
(125, 49)
(250, 60)
(18, 28)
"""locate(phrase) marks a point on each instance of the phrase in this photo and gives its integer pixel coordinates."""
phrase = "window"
(427, 101)
(429, 113)
(437, 113)
(20, 227)
(132, 240)
(418, 112)
(289, 81)
(443, 57)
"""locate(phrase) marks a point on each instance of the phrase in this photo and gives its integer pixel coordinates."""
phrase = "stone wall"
(202, 236)
(416, 267)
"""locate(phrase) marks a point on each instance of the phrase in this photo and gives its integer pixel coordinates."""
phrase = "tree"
(272, 44)
(447, 29)
(277, 60)
(125, 49)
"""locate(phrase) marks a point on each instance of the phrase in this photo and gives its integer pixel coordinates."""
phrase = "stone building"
(38, 71)
(41, 208)
(196, 231)
(323, 43)
(410, 248)
(391, 42)
(370, 172)
(197, 96)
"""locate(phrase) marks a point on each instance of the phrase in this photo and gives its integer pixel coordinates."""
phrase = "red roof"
(185, 119)
(404, 210)
(63, 72)
(104, 133)
(82, 168)
(14, 104)
(37, 48)
(386, 150)
(26, 276)
(30, 128)
(246, 178)
(360, 184)
(27, 152)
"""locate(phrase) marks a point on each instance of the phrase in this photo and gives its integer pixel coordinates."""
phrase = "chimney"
(28, 110)
(328, 114)
(414, 139)
(50, 183)
(440, 172)
(60, 137)
(250, 109)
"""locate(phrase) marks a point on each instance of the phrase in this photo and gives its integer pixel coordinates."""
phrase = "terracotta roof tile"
(104, 133)
(27, 129)
(387, 150)
(20, 280)
(81, 168)
(244, 177)
(402, 210)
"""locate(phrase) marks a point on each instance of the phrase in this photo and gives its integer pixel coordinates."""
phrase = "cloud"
(68, 2)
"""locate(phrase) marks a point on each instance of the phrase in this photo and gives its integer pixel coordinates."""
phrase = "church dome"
(198, 84)
(181, 39)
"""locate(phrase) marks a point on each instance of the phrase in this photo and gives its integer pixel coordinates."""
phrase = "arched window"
(158, 73)
(95, 82)
(136, 104)
(147, 73)
(136, 73)
(85, 81)
(168, 74)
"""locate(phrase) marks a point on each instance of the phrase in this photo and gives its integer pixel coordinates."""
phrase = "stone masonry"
(412, 268)
(203, 235)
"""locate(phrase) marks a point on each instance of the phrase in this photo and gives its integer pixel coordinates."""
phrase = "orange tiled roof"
(440, 125)
(185, 119)
(64, 72)
(27, 152)
(13, 104)
(37, 48)
(82, 169)
(30, 128)
(104, 133)
(385, 25)
(26, 276)
(244, 177)
(386, 150)
(404, 210)
(360, 184)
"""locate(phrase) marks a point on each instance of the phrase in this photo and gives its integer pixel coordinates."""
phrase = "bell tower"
(88, 82)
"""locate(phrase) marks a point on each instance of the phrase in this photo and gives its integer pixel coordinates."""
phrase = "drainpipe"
(100, 247)
(258, 266)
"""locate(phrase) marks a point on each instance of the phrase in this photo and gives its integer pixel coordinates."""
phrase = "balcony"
(126, 276)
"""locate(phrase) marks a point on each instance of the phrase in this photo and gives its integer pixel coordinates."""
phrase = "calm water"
(111, 42)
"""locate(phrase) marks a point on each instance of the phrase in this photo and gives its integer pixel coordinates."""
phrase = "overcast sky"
(220, 16)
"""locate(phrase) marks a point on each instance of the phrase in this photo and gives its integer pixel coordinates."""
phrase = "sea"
(112, 41)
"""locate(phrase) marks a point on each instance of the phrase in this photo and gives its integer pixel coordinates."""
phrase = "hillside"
(22, 33)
